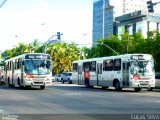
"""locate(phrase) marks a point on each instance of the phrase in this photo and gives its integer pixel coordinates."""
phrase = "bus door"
(125, 73)
(12, 69)
(22, 71)
(80, 82)
(99, 74)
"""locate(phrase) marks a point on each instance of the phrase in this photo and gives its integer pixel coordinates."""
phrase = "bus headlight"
(27, 76)
(152, 81)
(28, 79)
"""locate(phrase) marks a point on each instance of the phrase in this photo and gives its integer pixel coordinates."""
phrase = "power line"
(2, 3)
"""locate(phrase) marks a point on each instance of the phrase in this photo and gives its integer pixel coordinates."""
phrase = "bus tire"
(21, 87)
(150, 89)
(117, 86)
(137, 89)
(42, 87)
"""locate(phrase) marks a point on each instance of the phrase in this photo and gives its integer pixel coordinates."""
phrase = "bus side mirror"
(48, 64)
(128, 65)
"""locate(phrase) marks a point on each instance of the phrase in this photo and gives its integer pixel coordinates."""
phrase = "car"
(58, 77)
(53, 79)
(67, 77)
(157, 82)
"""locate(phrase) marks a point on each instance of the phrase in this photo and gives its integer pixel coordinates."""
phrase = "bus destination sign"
(37, 56)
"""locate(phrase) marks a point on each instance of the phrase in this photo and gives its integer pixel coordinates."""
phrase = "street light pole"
(58, 38)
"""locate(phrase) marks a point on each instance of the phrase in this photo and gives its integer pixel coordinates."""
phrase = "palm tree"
(34, 46)
(63, 55)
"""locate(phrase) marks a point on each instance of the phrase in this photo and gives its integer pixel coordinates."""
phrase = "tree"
(126, 42)
(105, 47)
(153, 45)
(63, 54)
(34, 46)
(138, 44)
(18, 50)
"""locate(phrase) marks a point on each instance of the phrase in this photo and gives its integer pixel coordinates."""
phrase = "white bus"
(121, 71)
(30, 69)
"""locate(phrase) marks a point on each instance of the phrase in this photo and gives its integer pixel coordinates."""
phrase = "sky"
(27, 20)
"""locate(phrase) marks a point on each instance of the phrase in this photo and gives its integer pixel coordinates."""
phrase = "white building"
(105, 11)
(138, 21)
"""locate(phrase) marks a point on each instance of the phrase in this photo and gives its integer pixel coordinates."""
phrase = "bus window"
(86, 66)
(75, 67)
(15, 66)
(117, 64)
(128, 65)
(79, 69)
(48, 64)
(108, 65)
(9, 65)
(93, 66)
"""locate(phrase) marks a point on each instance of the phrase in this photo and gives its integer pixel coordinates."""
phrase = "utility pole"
(53, 41)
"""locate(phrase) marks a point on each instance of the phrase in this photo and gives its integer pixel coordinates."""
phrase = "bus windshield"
(142, 67)
(37, 67)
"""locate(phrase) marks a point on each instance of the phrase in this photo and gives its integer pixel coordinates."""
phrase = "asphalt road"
(71, 101)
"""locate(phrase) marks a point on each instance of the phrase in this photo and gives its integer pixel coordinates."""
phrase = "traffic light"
(58, 35)
(150, 6)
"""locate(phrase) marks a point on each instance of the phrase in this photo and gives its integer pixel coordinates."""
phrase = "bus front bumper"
(142, 85)
(38, 82)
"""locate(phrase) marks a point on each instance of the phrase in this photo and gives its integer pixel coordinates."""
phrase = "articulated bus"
(27, 70)
(121, 71)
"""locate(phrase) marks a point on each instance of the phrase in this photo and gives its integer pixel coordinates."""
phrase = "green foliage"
(105, 47)
(63, 53)
(153, 47)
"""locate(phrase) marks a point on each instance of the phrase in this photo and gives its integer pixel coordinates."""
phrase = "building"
(138, 21)
(105, 11)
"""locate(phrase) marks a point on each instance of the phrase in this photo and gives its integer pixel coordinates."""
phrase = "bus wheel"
(117, 86)
(137, 89)
(150, 89)
(42, 87)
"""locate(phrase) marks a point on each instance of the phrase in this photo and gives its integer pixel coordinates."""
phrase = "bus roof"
(112, 57)
(23, 55)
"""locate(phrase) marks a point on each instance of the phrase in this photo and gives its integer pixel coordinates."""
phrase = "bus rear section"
(121, 71)
(29, 70)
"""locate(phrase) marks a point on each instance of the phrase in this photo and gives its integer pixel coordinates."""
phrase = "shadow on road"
(5, 87)
(74, 87)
